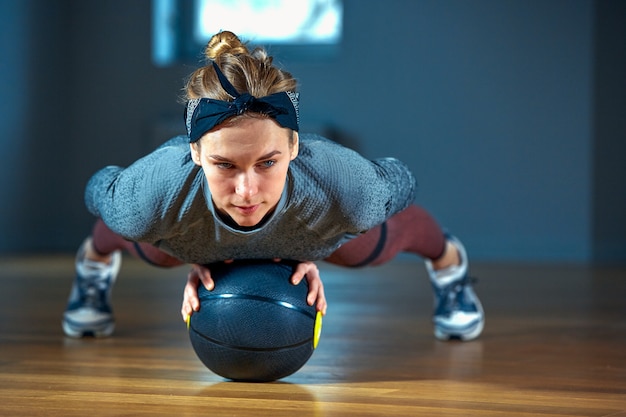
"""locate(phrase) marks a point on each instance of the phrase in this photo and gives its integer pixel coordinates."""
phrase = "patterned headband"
(203, 114)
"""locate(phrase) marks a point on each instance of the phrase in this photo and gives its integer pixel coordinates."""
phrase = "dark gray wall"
(34, 121)
(500, 107)
(609, 133)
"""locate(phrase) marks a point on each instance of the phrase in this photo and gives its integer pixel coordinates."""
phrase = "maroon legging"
(106, 241)
(412, 230)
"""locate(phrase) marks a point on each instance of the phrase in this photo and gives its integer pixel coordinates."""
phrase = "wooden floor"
(554, 345)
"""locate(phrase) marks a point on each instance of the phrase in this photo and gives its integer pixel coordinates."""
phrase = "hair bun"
(224, 43)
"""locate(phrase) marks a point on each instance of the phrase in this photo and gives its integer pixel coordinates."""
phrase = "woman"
(244, 184)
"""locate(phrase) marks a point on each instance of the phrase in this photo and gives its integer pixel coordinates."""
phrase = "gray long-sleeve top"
(332, 194)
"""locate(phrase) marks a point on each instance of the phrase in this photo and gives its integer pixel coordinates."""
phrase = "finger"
(315, 289)
(297, 277)
(300, 272)
(191, 302)
(186, 311)
(187, 308)
(193, 280)
(316, 295)
(204, 275)
(207, 281)
(322, 305)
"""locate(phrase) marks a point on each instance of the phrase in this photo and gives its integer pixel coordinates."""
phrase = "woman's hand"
(191, 302)
(202, 274)
(316, 287)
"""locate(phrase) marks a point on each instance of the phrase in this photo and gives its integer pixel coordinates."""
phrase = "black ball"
(255, 325)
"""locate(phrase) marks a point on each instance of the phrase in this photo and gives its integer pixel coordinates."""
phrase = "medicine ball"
(255, 325)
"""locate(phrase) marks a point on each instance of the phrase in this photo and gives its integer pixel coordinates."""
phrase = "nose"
(246, 186)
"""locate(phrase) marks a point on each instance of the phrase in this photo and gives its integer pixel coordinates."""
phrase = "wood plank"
(554, 345)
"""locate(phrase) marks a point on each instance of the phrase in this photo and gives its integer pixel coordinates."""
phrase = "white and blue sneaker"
(458, 311)
(88, 311)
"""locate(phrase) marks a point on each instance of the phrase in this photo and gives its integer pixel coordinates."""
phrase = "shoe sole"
(465, 336)
(105, 330)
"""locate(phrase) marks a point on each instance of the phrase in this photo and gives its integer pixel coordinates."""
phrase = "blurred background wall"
(512, 113)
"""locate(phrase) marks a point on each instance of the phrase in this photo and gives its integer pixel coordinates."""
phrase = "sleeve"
(145, 201)
(400, 182)
(364, 192)
(375, 190)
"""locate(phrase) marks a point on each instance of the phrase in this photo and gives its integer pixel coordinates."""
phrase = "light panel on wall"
(181, 28)
(299, 22)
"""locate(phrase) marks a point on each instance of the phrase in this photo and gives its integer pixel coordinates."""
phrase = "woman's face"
(245, 164)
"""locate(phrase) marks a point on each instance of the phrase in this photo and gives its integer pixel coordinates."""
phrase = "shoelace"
(454, 295)
(93, 284)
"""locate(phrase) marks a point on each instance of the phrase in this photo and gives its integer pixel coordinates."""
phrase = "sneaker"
(458, 311)
(88, 311)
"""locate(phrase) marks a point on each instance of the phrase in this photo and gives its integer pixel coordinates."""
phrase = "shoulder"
(152, 193)
(336, 179)
(332, 184)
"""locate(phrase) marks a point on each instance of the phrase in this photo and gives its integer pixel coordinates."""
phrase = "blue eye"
(268, 164)
(224, 165)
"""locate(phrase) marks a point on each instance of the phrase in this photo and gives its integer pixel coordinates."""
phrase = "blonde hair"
(249, 72)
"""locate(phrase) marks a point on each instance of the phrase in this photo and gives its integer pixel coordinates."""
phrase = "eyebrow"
(261, 158)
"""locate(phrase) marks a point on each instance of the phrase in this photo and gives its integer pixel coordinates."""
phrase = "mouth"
(247, 210)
